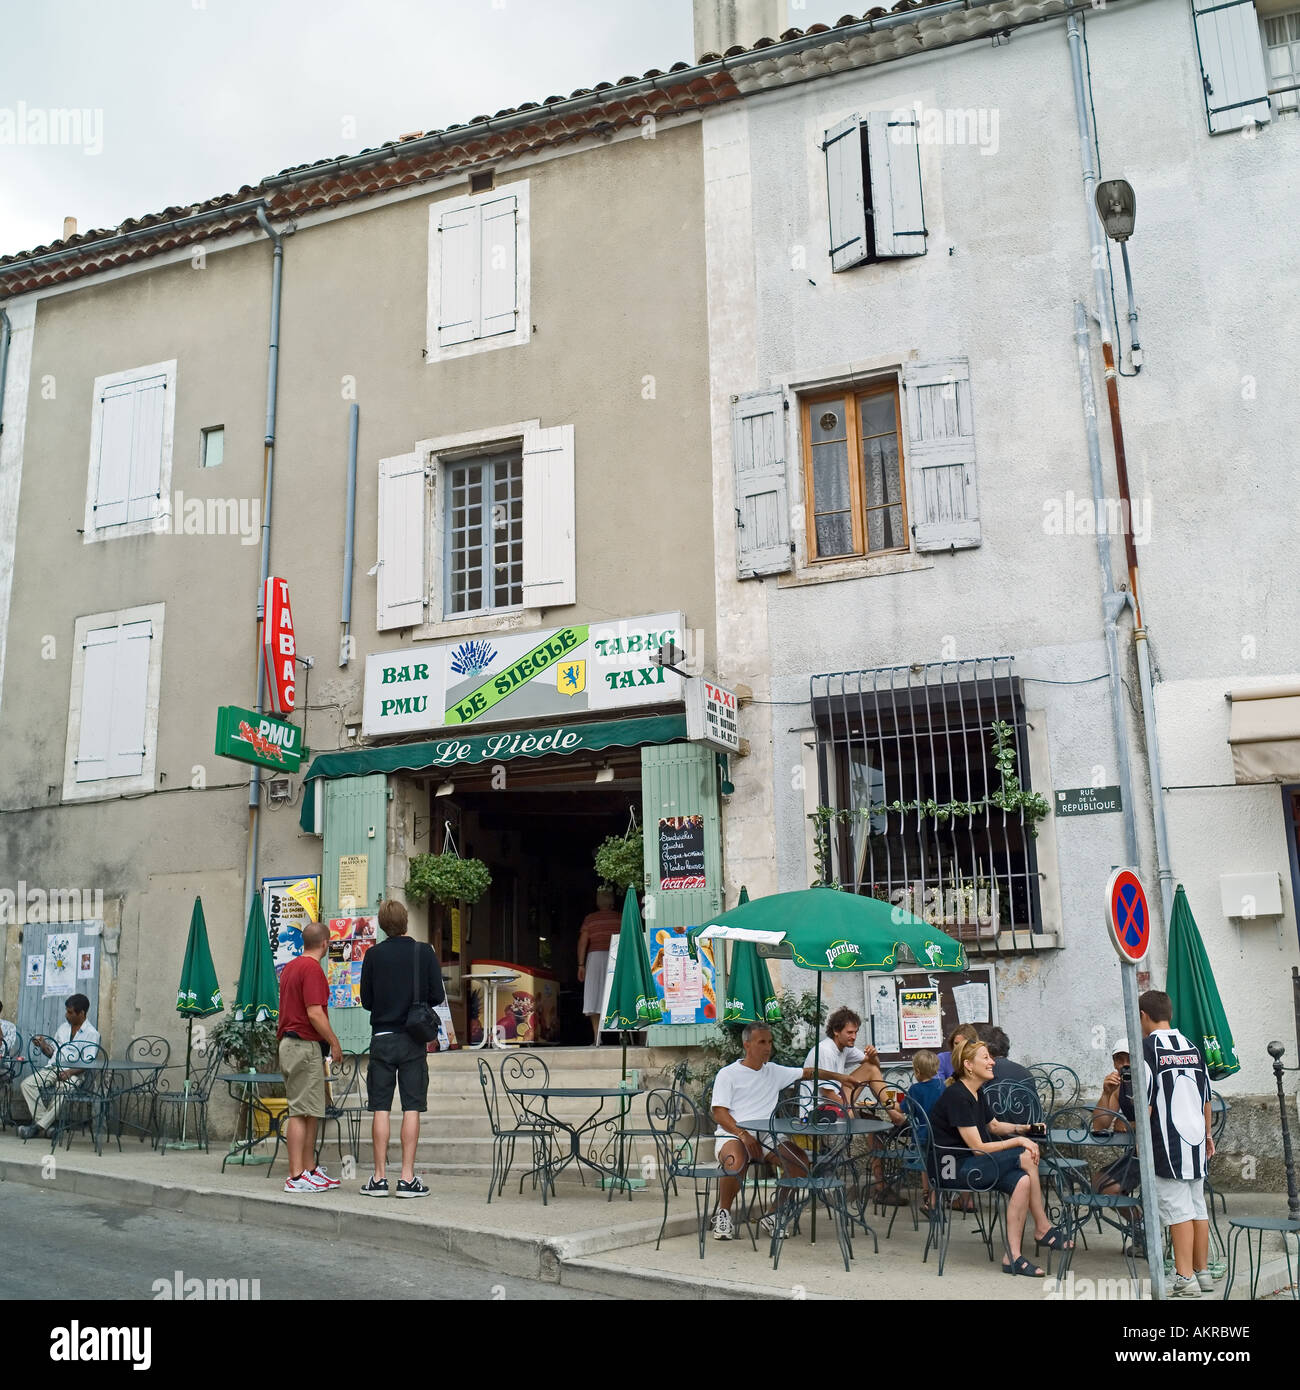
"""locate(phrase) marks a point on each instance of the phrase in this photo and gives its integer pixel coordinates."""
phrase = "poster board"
(350, 939)
(289, 903)
(687, 989)
(954, 1008)
(681, 852)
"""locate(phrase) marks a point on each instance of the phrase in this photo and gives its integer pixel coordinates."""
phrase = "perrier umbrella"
(750, 996)
(198, 995)
(257, 996)
(633, 999)
(1198, 1010)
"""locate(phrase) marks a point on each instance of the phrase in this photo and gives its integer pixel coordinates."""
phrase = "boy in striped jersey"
(1178, 1099)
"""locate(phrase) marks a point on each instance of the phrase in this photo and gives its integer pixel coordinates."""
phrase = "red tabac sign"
(1127, 915)
(278, 645)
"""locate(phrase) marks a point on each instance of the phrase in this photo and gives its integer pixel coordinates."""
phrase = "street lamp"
(1117, 208)
(1276, 1051)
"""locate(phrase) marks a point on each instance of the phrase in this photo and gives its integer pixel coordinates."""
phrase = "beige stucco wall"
(618, 295)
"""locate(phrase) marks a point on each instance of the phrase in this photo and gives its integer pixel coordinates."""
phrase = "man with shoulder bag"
(401, 985)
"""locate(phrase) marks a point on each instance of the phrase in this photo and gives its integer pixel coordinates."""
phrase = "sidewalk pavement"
(580, 1239)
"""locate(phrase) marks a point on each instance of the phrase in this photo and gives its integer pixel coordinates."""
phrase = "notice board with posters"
(681, 852)
(898, 1006)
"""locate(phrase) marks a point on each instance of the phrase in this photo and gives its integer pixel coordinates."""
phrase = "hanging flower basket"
(620, 861)
(446, 879)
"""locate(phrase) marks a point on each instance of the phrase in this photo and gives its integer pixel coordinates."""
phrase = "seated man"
(999, 1046)
(837, 1052)
(744, 1096)
(8, 1036)
(1121, 1176)
(74, 1026)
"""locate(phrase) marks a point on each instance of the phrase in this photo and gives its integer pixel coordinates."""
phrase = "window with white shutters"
(131, 452)
(942, 495)
(1231, 52)
(113, 709)
(478, 272)
(873, 185)
(400, 586)
(1282, 59)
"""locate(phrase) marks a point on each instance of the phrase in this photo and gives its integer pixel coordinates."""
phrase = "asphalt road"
(60, 1246)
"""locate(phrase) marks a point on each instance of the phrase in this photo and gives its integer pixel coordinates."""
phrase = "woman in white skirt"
(598, 929)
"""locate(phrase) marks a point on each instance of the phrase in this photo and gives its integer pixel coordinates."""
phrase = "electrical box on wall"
(1251, 895)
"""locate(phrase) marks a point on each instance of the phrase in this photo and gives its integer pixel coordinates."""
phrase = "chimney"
(721, 24)
(69, 228)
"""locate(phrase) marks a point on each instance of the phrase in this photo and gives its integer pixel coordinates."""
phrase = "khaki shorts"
(304, 1076)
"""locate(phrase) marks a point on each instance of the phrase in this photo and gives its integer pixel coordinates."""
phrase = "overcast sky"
(183, 100)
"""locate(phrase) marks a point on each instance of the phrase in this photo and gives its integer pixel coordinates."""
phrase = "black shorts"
(397, 1057)
(1123, 1173)
(999, 1170)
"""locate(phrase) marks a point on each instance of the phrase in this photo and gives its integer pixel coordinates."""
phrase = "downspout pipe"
(1164, 871)
(272, 391)
(6, 333)
(349, 535)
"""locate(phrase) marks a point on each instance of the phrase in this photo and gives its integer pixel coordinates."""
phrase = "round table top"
(101, 1064)
(252, 1077)
(1105, 1138)
(1266, 1223)
(492, 975)
(575, 1092)
(860, 1124)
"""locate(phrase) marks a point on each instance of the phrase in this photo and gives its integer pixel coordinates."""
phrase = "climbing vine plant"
(1010, 796)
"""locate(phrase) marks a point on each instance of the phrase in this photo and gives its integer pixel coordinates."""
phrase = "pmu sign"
(1128, 915)
(278, 646)
(257, 738)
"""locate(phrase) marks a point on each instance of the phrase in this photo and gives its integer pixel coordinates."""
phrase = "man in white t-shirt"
(744, 1096)
(74, 1030)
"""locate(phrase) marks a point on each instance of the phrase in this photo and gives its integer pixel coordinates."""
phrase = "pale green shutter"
(354, 806)
(681, 779)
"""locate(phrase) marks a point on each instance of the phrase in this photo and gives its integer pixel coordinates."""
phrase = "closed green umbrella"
(1198, 1010)
(257, 996)
(633, 999)
(197, 996)
(750, 996)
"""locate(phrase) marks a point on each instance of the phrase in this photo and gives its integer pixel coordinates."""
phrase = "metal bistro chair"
(623, 1136)
(905, 1161)
(1069, 1138)
(11, 1066)
(83, 1101)
(941, 1165)
(173, 1109)
(342, 1105)
(504, 1139)
(1057, 1085)
(1219, 1109)
(685, 1143)
(133, 1093)
(825, 1156)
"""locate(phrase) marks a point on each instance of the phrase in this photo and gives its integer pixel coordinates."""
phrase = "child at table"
(925, 1090)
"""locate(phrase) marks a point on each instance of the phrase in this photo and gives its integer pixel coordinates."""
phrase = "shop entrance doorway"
(536, 827)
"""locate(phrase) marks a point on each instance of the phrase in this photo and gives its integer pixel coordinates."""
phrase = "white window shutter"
(1232, 63)
(499, 260)
(113, 479)
(401, 586)
(894, 161)
(842, 146)
(549, 560)
(144, 498)
(458, 281)
(130, 700)
(762, 496)
(942, 497)
(96, 704)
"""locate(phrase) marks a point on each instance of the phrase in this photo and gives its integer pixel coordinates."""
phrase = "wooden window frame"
(858, 509)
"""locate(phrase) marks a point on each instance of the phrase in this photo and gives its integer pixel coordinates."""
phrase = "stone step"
(558, 1058)
(457, 1150)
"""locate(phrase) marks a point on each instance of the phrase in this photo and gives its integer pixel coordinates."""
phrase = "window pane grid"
(485, 520)
(911, 734)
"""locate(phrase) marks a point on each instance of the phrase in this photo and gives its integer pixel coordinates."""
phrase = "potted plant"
(620, 861)
(245, 1046)
(446, 879)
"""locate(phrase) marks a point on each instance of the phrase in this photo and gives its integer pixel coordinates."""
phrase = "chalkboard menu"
(681, 852)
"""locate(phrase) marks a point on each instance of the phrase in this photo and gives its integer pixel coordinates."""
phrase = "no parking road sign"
(1127, 915)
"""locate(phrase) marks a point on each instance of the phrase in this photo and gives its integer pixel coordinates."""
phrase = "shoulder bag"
(421, 1021)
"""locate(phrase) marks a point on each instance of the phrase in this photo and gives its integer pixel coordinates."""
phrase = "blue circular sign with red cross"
(1127, 915)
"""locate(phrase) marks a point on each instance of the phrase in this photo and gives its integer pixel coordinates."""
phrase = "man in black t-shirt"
(394, 974)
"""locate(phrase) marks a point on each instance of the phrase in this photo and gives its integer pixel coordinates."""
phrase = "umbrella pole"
(817, 1047)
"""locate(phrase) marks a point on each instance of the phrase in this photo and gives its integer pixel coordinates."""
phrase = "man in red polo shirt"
(305, 1037)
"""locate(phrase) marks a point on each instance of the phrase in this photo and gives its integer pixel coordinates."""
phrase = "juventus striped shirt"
(1178, 1088)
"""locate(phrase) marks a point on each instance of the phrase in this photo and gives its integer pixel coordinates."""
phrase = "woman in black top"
(966, 1155)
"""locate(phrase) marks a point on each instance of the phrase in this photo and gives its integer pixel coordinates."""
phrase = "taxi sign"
(1128, 916)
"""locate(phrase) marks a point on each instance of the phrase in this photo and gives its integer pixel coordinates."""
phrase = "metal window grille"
(917, 734)
(485, 534)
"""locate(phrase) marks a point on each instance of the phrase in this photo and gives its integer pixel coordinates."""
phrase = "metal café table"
(595, 1120)
(791, 1128)
(488, 981)
(107, 1072)
(240, 1150)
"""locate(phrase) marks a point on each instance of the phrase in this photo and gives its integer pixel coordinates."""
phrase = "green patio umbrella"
(197, 996)
(750, 996)
(257, 997)
(1198, 1010)
(633, 999)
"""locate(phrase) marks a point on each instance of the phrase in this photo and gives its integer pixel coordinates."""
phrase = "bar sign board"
(1088, 801)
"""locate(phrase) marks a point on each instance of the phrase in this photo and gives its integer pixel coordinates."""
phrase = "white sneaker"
(322, 1178)
(1206, 1280)
(722, 1227)
(1181, 1287)
(767, 1225)
(302, 1184)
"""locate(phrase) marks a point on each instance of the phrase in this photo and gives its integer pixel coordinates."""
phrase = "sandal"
(1054, 1239)
(1023, 1266)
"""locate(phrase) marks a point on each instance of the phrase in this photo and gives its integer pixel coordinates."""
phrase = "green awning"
(491, 748)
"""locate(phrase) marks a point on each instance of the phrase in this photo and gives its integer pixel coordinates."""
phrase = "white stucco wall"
(1209, 428)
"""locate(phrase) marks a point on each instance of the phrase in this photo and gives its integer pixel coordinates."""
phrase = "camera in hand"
(1126, 1074)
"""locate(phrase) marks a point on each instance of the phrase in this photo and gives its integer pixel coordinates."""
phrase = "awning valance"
(1264, 730)
(492, 747)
